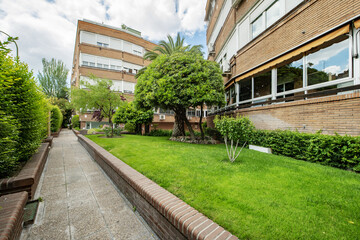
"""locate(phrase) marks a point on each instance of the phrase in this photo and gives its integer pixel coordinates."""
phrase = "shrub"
(236, 130)
(108, 130)
(92, 131)
(130, 127)
(56, 118)
(23, 115)
(75, 121)
(160, 133)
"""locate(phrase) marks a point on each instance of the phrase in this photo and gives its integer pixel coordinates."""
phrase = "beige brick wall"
(340, 113)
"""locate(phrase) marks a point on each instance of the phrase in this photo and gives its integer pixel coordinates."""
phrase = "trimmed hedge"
(75, 121)
(160, 133)
(56, 118)
(23, 114)
(332, 150)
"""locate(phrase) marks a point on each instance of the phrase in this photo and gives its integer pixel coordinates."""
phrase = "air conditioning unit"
(162, 117)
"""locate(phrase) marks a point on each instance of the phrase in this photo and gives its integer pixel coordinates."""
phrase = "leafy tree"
(53, 78)
(75, 121)
(168, 48)
(177, 82)
(98, 97)
(127, 113)
(66, 108)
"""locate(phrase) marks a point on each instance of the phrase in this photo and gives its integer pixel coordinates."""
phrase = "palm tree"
(169, 48)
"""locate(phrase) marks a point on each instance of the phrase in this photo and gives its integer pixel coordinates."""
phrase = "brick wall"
(340, 113)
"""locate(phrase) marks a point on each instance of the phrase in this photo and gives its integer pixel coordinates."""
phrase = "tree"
(168, 48)
(53, 78)
(127, 113)
(179, 81)
(98, 97)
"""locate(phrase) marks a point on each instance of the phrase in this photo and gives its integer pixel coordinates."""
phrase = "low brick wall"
(166, 214)
(56, 134)
(11, 215)
(29, 176)
(49, 140)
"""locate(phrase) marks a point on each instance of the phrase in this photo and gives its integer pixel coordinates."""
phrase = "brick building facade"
(116, 54)
(289, 64)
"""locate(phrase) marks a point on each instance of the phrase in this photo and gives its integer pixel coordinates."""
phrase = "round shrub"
(130, 127)
(56, 118)
(75, 121)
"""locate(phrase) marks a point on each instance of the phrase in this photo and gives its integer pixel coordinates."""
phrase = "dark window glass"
(262, 84)
(245, 89)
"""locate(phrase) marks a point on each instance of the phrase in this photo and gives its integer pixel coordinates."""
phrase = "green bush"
(160, 133)
(92, 131)
(108, 130)
(75, 121)
(23, 116)
(130, 127)
(56, 118)
(332, 150)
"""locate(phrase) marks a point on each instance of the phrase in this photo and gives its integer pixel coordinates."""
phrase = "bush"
(92, 131)
(75, 121)
(213, 133)
(130, 127)
(23, 114)
(56, 118)
(332, 150)
(108, 130)
(160, 133)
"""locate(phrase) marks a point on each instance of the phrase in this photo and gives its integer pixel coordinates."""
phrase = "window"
(100, 44)
(290, 77)
(106, 66)
(267, 18)
(328, 64)
(99, 65)
(191, 112)
(232, 95)
(85, 63)
(273, 13)
(245, 89)
(112, 67)
(92, 64)
(137, 52)
(258, 26)
(262, 84)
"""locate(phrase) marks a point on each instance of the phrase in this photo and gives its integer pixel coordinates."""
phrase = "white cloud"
(47, 28)
(333, 70)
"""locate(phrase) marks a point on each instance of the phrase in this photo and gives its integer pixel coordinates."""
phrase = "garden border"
(29, 176)
(167, 215)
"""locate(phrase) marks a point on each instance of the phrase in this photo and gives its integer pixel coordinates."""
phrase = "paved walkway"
(79, 201)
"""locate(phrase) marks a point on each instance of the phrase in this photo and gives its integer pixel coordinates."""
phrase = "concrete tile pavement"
(79, 201)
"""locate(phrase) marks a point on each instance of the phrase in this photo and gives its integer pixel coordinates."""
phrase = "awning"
(328, 37)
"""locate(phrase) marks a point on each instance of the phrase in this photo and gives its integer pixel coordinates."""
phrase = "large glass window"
(328, 63)
(290, 76)
(258, 26)
(262, 84)
(245, 89)
(273, 13)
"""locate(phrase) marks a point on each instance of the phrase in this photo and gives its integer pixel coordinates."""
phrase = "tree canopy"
(180, 81)
(53, 78)
(97, 96)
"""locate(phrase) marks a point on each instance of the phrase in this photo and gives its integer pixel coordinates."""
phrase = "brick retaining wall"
(29, 176)
(11, 215)
(166, 214)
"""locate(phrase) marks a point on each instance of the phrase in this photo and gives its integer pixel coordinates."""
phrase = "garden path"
(79, 201)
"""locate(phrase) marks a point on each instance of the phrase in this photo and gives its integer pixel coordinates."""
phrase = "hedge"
(23, 114)
(75, 121)
(332, 150)
(56, 118)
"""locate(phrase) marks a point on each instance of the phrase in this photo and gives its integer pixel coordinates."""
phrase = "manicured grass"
(260, 196)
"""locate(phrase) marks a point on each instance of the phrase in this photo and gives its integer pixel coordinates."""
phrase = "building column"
(273, 83)
(237, 92)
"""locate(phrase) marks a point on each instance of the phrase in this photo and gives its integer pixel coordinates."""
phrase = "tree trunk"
(200, 123)
(112, 127)
(178, 129)
(188, 124)
(147, 128)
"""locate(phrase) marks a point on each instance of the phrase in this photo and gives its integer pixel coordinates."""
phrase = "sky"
(47, 28)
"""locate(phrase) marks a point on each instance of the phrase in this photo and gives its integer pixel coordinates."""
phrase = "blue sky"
(47, 28)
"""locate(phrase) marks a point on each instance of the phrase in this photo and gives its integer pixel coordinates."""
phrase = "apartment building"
(288, 64)
(116, 54)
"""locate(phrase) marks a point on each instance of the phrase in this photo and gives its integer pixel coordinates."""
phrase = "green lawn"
(260, 196)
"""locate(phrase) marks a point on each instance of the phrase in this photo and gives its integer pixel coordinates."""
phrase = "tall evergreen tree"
(53, 78)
